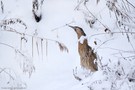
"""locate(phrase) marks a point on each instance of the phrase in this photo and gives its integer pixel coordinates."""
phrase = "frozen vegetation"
(38, 51)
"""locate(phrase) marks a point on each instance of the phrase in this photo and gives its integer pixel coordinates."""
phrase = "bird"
(87, 54)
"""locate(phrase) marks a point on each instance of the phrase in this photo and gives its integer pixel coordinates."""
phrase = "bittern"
(87, 55)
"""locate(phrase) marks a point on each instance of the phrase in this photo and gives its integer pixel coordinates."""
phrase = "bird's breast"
(82, 49)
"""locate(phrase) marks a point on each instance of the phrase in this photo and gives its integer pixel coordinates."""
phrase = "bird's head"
(79, 31)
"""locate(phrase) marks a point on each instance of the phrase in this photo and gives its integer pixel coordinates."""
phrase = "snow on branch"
(26, 63)
(12, 21)
(13, 81)
(4, 27)
(124, 14)
(62, 46)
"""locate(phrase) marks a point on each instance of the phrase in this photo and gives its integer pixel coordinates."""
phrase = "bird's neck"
(79, 35)
(82, 47)
(84, 42)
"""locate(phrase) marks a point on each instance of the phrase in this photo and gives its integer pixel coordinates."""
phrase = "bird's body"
(87, 56)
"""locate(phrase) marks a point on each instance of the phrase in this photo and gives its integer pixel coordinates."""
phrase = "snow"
(52, 69)
(81, 39)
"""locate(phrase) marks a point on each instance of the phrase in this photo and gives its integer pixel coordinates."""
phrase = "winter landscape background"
(38, 51)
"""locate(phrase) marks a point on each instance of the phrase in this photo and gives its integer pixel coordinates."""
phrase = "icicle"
(42, 48)
(46, 47)
(32, 45)
(37, 47)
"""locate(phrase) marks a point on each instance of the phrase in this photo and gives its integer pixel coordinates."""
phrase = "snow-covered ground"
(46, 67)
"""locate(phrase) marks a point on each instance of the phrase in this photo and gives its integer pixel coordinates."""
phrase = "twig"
(61, 26)
(4, 70)
(119, 50)
(9, 29)
(14, 31)
(94, 16)
(79, 4)
(130, 3)
(111, 33)
(13, 48)
(103, 43)
(76, 77)
(132, 46)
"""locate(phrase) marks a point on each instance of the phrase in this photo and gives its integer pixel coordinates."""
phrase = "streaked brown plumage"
(87, 56)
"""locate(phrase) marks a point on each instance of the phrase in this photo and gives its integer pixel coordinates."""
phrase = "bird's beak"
(71, 26)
